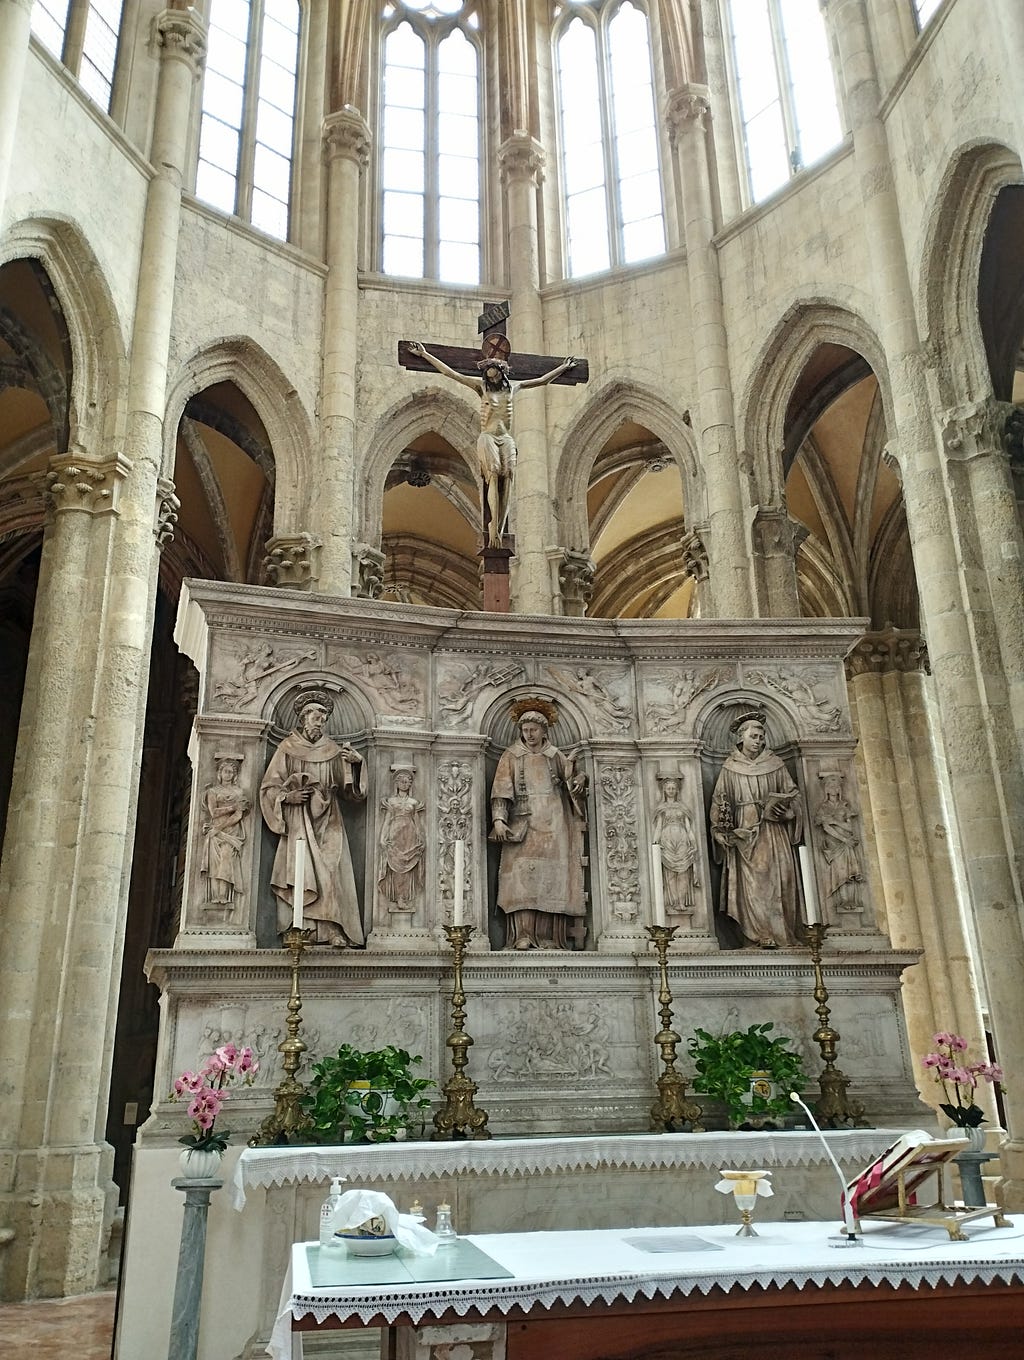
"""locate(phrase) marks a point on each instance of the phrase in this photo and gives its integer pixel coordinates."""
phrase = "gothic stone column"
(776, 539)
(67, 874)
(731, 586)
(347, 142)
(521, 162)
(913, 842)
(986, 774)
(14, 34)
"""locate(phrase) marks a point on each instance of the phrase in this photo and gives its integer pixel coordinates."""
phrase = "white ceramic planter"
(200, 1164)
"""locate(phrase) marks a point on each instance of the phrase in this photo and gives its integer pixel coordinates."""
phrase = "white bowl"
(362, 1244)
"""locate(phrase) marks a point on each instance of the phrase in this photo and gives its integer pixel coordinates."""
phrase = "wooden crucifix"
(487, 372)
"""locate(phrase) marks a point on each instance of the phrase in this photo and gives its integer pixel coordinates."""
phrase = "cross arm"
(523, 366)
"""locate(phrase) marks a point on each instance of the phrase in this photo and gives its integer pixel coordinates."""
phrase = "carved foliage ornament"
(167, 507)
(181, 33)
(454, 820)
(347, 135)
(621, 855)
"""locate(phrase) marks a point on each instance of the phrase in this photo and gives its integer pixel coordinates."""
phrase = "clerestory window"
(924, 11)
(84, 36)
(789, 114)
(247, 132)
(430, 141)
(608, 142)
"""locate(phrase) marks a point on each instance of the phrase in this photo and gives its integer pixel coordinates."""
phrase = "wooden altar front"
(787, 1292)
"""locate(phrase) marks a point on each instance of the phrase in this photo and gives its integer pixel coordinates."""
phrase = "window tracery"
(430, 140)
(609, 159)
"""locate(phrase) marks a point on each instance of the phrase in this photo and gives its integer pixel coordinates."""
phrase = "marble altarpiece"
(426, 699)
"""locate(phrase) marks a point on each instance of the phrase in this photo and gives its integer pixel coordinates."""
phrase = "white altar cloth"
(601, 1266)
(263, 1167)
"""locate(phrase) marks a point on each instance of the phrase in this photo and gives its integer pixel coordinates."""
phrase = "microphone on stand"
(849, 1237)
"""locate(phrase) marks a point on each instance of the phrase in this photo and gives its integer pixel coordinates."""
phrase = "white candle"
(460, 881)
(811, 913)
(300, 883)
(659, 886)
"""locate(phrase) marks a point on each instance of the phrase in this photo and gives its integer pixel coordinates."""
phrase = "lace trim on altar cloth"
(260, 1168)
(504, 1298)
(913, 1256)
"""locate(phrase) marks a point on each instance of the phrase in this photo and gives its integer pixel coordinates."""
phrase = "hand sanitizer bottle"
(327, 1214)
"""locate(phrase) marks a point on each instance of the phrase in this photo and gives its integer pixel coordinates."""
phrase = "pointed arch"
(764, 402)
(272, 395)
(97, 337)
(430, 411)
(608, 408)
(950, 266)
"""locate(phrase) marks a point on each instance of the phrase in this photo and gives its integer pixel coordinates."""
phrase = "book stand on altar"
(887, 1190)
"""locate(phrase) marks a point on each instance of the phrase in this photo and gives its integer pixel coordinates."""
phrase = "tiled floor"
(59, 1329)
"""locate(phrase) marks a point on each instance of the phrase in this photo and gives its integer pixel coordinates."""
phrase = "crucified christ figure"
(495, 446)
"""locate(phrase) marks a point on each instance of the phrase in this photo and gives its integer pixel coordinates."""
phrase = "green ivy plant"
(335, 1114)
(724, 1064)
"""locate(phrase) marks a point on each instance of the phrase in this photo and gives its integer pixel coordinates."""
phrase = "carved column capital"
(292, 560)
(977, 429)
(367, 571)
(167, 507)
(347, 136)
(521, 157)
(776, 533)
(73, 484)
(181, 34)
(575, 579)
(687, 109)
(695, 555)
(891, 649)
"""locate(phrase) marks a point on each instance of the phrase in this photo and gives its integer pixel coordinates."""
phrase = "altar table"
(697, 1291)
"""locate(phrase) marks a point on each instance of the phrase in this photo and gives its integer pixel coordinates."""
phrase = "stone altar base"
(563, 1042)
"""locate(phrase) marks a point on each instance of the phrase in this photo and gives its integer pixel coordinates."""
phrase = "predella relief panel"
(377, 756)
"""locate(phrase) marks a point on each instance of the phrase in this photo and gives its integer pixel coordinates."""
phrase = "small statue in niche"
(226, 806)
(839, 843)
(306, 780)
(756, 821)
(403, 844)
(538, 815)
(673, 831)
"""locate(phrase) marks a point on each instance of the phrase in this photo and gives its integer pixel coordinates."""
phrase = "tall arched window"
(611, 177)
(430, 142)
(247, 134)
(787, 95)
(92, 54)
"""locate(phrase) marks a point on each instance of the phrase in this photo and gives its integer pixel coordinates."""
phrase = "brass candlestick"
(835, 1109)
(459, 1118)
(288, 1118)
(671, 1112)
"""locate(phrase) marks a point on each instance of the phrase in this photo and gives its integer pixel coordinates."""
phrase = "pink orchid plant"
(952, 1070)
(206, 1094)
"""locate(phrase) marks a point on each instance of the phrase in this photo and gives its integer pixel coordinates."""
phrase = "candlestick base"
(835, 1109)
(288, 1118)
(459, 1117)
(671, 1112)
